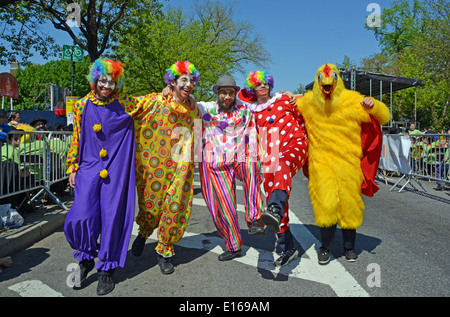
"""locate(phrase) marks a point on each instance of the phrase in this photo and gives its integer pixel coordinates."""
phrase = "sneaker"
(350, 255)
(138, 246)
(285, 258)
(271, 218)
(256, 228)
(105, 282)
(439, 187)
(323, 255)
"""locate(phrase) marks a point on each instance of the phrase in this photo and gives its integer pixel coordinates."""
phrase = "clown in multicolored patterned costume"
(230, 151)
(165, 165)
(101, 167)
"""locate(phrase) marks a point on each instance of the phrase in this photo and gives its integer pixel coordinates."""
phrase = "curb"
(34, 233)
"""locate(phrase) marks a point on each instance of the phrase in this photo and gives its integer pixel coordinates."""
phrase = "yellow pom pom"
(103, 153)
(104, 174)
(97, 127)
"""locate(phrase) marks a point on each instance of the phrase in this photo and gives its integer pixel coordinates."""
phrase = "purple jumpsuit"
(103, 206)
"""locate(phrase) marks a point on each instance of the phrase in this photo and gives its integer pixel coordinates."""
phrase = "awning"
(371, 84)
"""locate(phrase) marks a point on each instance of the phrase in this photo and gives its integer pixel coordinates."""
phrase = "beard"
(101, 95)
(226, 108)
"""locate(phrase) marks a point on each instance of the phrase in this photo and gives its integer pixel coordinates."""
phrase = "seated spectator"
(10, 151)
(4, 128)
(14, 118)
(15, 176)
(39, 124)
(442, 171)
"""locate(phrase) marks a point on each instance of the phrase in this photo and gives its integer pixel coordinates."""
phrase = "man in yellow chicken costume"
(344, 150)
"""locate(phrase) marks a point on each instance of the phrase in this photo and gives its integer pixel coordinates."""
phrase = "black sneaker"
(138, 246)
(323, 255)
(350, 255)
(165, 265)
(105, 282)
(286, 257)
(271, 218)
(439, 187)
(256, 228)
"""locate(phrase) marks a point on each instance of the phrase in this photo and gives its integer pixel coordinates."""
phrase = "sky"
(300, 35)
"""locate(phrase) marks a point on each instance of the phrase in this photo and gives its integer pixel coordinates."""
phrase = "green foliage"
(57, 72)
(22, 36)
(415, 41)
(139, 34)
(22, 24)
(400, 25)
(212, 41)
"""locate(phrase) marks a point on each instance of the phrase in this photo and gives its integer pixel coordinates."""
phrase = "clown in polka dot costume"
(283, 139)
(230, 152)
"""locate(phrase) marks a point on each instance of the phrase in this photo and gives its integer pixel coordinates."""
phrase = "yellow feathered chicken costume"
(333, 118)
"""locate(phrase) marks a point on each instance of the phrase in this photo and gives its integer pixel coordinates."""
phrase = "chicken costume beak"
(327, 79)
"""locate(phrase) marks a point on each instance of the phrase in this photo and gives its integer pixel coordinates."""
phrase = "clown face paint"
(183, 87)
(105, 87)
(262, 91)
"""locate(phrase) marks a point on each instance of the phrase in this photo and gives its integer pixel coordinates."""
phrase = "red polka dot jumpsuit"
(283, 140)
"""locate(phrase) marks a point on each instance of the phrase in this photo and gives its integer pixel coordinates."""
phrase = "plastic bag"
(9, 217)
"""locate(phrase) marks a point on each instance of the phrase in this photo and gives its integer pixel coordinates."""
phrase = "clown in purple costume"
(101, 167)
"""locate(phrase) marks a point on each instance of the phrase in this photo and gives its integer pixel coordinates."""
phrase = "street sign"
(73, 53)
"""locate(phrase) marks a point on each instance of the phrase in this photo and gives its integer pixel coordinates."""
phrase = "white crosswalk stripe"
(34, 288)
(333, 274)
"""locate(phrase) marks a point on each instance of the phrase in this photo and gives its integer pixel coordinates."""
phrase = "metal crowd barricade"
(427, 154)
(36, 162)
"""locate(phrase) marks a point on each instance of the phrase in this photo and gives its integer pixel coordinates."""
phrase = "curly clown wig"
(102, 67)
(180, 68)
(257, 78)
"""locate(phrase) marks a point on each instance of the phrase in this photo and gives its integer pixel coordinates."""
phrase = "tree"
(22, 24)
(216, 44)
(428, 58)
(415, 42)
(400, 25)
(300, 90)
(57, 72)
(347, 63)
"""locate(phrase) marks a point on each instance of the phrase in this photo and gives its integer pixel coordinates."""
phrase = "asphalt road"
(402, 245)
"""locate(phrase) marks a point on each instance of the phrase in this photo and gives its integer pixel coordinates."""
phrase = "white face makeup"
(262, 86)
(184, 86)
(107, 82)
(105, 87)
(185, 80)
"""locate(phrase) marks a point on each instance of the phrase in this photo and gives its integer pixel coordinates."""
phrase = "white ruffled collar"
(263, 106)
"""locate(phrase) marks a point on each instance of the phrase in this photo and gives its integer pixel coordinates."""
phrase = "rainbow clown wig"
(180, 68)
(257, 78)
(102, 67)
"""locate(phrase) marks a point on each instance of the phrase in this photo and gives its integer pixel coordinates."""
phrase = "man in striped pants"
(230, 151)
